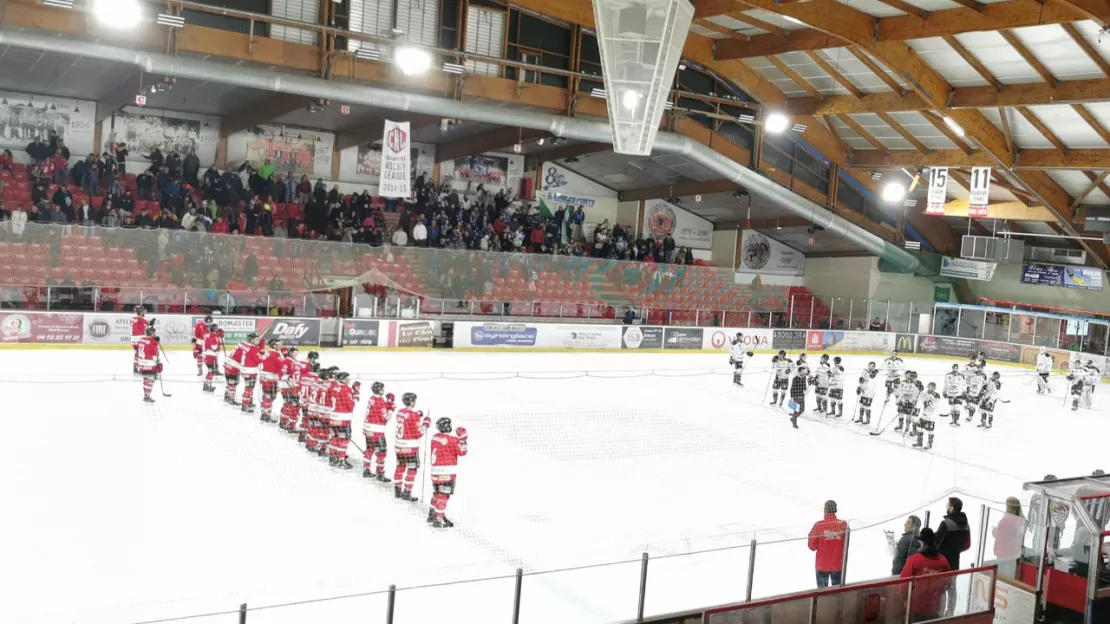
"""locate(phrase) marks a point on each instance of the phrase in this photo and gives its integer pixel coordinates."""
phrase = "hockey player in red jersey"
(411, 425)
(343, 409)
(271, 363)
(147, 361)
(138, 330)
(236, 365)
(252, 358)
(306, 389)
(200, 332)
(447, 448)
(316, 434)
(213, 344)
(378, 411)
(290, 377)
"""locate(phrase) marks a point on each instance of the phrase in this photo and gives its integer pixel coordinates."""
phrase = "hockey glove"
(194, 340)
(461, 432)
(426, 423)
(158, 367)
(731, 362)
(751, 354)
(859, 391)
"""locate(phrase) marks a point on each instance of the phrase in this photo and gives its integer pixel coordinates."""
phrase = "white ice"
(118, 511)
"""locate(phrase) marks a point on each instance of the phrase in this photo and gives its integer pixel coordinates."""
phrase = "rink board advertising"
(359, 333)
(826, 340)
(46, 328)
(411, 334)
(789, 339)
(683, 338)
(1084, 278)
(290, 331)
(641, 337)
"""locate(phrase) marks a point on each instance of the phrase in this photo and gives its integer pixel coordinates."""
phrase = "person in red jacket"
(928, 594)
(340, 421)
(200, 332)
(148, 362)
(826, 538)
(138, 330)
(270, 364)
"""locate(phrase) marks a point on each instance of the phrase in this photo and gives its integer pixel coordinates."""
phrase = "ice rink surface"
(118, 511)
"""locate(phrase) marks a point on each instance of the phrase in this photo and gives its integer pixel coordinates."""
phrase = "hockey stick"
(161, 386)
(881, 430)
(424, 475)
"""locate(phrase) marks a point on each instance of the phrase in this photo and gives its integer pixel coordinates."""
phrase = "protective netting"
(34, 254)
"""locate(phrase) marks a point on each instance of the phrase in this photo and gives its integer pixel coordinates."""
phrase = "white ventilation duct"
(378, 97)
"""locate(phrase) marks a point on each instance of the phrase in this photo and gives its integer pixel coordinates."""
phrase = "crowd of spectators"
(173, 192)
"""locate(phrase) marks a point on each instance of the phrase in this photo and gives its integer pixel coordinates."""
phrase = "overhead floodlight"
(775, 123)
(668, 105)
(894, 192)
(745, 118)
(630, 99)
(413, 61)
(955, 127)
(367, 53)
(597, 93)
(59, 4)
(118, 13)
(800, 128)
(173, 21)
(454, 68)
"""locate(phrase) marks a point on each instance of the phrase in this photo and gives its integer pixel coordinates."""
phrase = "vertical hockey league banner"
(396, 176)
(980, 192)
(938, 191)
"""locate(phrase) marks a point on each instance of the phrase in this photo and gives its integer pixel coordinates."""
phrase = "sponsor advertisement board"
(115, 329)
(641, 337)
(303, 332)
(411, 334)
(360, 333)
(1001, 351)
(47, 328)
(1060, 358)
(581, 336)
(753, 339)
(905, 343)
(826, 340)
(947, 345)
(235, 328)
(789, 339)
(683, 337)
(496, 335)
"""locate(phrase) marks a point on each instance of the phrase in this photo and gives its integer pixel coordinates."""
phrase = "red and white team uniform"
(343, 411)
(147, 362)
(271, 363)
(242, 361)
(213, 343)
(411, 425)
(305, 393)
(138, 330)
(447, 448)
(290, 378)
(200, 332)
(378, 411)
(317, 435)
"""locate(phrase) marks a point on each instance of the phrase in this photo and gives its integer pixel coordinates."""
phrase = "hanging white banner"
(967, 269)
(980, 192)
(761, 254)
(938, 190)
(396, 176)
(687, 229)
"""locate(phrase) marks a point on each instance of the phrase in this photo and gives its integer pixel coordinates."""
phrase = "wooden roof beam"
(1043, 129)
(1094, 123)
(1087, 48)
(860, 130)
(948, 132)
(907, 8)
(1102, 185)
(1027, 159)
(826, 67)
(1029, 57)
(1060, 203)
(970, 59)
(878, 70)
(795, 76)
(906, 134)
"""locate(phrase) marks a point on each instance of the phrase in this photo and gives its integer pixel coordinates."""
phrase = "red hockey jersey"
(377, 415)
(307, 386)
(212, 346)
(291, 370)
(411, 426)
(245, 355)
(147, 355)
(447, 448)
(271, 362)
(344, 406)
(138, 326)
(200, 331)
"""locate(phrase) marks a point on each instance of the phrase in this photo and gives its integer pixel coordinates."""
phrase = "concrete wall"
(1007, 286)
(724, 248)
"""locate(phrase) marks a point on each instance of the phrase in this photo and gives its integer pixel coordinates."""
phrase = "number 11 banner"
(938, 191)
(980, 192)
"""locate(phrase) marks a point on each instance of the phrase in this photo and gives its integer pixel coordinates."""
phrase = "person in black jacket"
(953, 537)
(798, 387)
(907, 545)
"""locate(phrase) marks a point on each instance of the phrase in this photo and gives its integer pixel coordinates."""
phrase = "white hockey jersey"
(783, 368)
(823, 374)
(975, 383)
(954, 385)
(893, 367)
(836, 377)
(867, 386)
(736, 353)
(991, 389)
(930, 402)
(908, 392)
(1044, 363)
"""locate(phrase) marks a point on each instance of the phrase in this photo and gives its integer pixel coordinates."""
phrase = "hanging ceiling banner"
(980, 192)
(938, 191)
(396, 176)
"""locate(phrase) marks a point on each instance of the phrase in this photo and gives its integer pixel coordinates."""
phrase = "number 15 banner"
(980, 192)
(938, 191)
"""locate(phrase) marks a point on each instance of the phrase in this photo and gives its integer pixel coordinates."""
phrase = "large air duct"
(568, 127)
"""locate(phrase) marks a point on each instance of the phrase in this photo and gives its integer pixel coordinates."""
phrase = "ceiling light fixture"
(118, 13)
(955, 127)
(775, 123)
(631, 99)
(894, 192)
(413, 61)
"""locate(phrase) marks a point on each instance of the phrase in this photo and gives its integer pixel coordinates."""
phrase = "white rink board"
(131, 512)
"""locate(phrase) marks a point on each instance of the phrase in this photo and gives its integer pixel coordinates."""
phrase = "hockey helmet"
(782, 352)
(870, 365)
(292, 352)
(911, 374)
(140, 310)
(324, 374)
(932, 385)
(212, 327)
(208, 319)
(1098, 473)
(443, 425)
(377, 387)
(342, 377)
(1043, 350)
(824, 357)
(874, 372)
(313, 355)
(150, 330)
(408, 399)
(251, 337)
(982, 362)
(274, 343)
(314, 367)
(955, 368)
(836, 360)
(894, 353)
(802, 356)
(996, 375)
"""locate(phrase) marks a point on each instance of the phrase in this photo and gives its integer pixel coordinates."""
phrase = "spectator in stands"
(579, 219)
(304, 190)
(221, 226)
(1008, 537)
(86, 214)
(173, 165)
(111, 218)
(190, 168)
(399, 238)
(6, 160)
(157, 160)
(876, 324)
(63, 199)
(953, 537)
(826, 538)
(121, 156)
(668, 248)
(59, 165)
(38, 150)
(266, 171)
(92, 179)
(57, 216)
(191, 222)
(167, 220)
(928, 593)
(420, 233)
(907, 545)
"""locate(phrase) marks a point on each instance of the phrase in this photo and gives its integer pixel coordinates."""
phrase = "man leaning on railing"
(927, 594)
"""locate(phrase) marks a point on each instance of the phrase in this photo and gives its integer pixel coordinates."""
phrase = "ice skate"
(384, 479)
(447, 523)
(431, 515)
(397, 493)
(265, 418)
(147, 398)
(899, 427)
(344, 463)
(246, 408)
(438, 524)
(300, 436)
(367, 474)
(918, 443)
(407, 496)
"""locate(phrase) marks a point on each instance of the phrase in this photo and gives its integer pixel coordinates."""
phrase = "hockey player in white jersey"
(976, 380)
(1083, 380)
(893, 366)
(906, 393)
(955, 386)
(821, 384)
(737, 357)
(866, 392)
(926, 422)
(782, 369)
(836, 388)
(1044, 368)
(988, 400)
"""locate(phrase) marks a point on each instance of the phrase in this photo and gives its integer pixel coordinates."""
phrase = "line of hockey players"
(318, 406)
